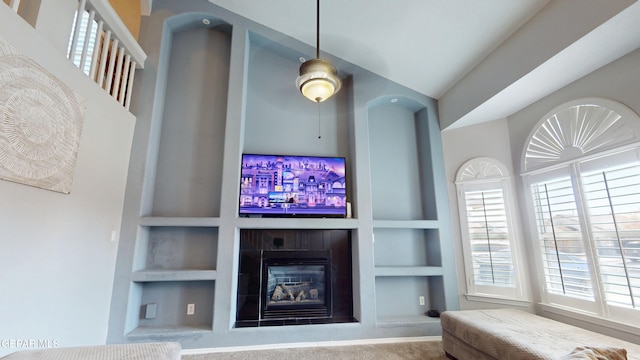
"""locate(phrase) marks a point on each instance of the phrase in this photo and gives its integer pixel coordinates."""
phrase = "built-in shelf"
(173, 275)
(394, 321)
(408, 271)
(146, 331)
(180, 221)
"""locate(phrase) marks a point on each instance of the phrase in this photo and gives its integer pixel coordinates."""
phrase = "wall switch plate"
(191, 309)
(421, 299)
(149, 311)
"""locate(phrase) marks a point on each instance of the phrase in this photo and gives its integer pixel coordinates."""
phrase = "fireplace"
(296, 284)
(294, 277)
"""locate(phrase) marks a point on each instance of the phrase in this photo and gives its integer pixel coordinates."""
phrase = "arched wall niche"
(398, 138)
(190, 117)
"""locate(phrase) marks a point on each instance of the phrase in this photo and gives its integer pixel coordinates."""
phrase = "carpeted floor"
(425, 350)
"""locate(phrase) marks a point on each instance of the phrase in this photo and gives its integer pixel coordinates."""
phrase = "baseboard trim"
(309, 344)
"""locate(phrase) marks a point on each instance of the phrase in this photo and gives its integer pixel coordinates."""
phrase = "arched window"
(581, 166)
(489, 240)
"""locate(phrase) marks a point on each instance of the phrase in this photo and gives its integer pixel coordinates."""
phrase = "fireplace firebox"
(294, 277)
(296, 284)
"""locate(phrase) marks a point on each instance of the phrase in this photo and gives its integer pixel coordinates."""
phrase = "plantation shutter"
(613, 201)
(489, 238)
(560, 239)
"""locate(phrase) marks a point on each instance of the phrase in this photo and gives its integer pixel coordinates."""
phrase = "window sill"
(497, 300)
(608, 327)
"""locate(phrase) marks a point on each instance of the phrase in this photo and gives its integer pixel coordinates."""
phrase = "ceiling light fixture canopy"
(318, 79)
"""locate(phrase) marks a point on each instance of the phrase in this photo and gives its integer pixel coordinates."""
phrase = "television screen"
(280, 185)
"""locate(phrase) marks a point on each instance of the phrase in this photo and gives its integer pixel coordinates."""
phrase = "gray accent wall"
(212, 92)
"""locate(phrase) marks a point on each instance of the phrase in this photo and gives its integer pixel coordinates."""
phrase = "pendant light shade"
(318, 79)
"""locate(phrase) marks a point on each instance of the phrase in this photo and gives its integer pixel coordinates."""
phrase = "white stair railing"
(103, 48)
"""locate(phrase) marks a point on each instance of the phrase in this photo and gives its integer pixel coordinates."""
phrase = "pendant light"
(318, 79)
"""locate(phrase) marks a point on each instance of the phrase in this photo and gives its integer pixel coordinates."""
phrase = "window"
(582, 168)
(86, 42)
(566, 271)
(613, 200)
(488, 241)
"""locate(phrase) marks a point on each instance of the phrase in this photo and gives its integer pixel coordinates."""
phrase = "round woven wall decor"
(40, 125)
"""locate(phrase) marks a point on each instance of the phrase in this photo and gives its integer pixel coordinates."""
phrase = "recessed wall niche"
(189, 168)
(400, 171)
(279, 119)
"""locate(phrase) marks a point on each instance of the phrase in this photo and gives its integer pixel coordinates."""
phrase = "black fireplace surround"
(294, 277)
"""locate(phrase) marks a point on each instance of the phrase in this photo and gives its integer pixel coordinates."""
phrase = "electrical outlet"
(191, 309)
(421, 300)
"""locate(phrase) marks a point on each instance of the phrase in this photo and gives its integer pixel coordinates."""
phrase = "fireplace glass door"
(295, 287)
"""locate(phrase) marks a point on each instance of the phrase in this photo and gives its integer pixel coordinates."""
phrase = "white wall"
(490, 139)
(619, 81)
(505, 139)
(56, 257)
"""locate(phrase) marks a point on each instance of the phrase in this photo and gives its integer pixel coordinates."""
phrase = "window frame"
(487, 174)
(605, 151)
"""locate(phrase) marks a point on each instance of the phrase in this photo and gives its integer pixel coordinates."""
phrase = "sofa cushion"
(515, 334)
(596, 353)
(142, 351)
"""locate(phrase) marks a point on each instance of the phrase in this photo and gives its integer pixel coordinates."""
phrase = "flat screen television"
(289, 186)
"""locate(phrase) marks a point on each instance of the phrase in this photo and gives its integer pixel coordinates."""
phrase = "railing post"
(96, 51)
(116, 78)
(112, 52)
(112, 64)
(125, 77)
(103, 58)
(132, 73)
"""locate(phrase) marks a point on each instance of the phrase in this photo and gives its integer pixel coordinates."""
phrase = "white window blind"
(582, 166)
(613, 201)
(489, 244)
(489, 238)
(566, 270)
(83, 53)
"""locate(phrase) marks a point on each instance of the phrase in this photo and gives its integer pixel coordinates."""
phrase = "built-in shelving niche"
(188, 174)
(401, 172)
(171, 299)
(177, 238)
(179, 268)
(216, 104)
(407, 248)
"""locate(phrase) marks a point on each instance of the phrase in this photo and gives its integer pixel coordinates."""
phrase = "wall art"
(40, 123)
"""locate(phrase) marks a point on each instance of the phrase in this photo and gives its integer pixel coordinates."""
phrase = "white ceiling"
(430, 45)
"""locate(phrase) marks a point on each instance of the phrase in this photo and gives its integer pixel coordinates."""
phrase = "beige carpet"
(425, 350)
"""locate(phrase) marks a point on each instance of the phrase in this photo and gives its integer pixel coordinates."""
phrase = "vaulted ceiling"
(483, 60)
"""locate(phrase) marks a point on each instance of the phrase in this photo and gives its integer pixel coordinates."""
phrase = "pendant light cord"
(318, 57)
(319, 122)
(318, 29)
